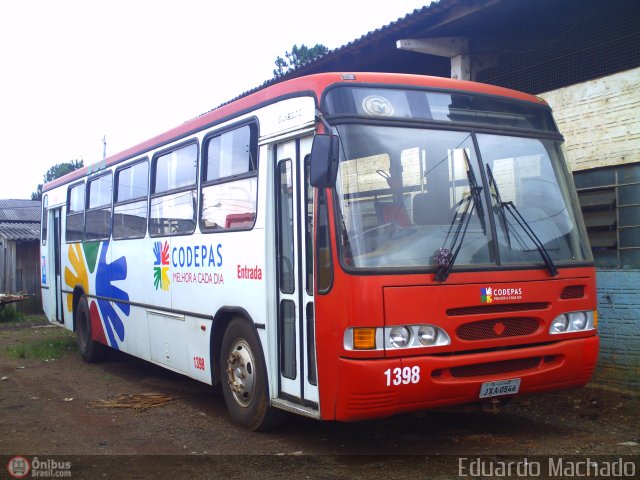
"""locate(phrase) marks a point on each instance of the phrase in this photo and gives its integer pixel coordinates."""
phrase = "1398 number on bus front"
(402, 376)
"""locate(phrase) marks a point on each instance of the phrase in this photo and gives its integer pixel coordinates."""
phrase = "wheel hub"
(241, 373)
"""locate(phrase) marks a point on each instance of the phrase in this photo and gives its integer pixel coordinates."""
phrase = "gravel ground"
(66, 410)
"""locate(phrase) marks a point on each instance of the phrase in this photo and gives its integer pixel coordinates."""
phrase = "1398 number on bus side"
(198, 363)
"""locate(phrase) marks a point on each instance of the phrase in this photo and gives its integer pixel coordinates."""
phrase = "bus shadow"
(426, 433)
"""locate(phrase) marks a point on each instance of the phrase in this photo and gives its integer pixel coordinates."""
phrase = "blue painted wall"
(619, 326)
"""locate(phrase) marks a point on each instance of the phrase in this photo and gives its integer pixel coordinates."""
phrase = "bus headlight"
(559, 324)
(415, 336)
(399, 336)
(395, 337)
(427, 335)
(577, 320)
(573, 322)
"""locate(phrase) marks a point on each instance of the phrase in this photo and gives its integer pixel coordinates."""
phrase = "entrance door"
(296, 331)
(57, 264)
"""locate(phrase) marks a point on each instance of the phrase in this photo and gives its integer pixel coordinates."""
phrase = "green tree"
(57, 171)
(297, 57)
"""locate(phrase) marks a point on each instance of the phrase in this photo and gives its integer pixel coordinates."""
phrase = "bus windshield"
(408, 195)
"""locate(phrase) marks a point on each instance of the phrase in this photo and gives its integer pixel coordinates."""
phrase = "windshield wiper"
(475, 192)
(511, 208)
(493, 189)
(446, 257)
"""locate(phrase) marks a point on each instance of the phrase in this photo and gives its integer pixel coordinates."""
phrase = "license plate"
(501, 387)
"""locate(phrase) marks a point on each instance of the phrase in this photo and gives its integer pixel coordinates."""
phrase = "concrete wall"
(619, 311)
(600, 121)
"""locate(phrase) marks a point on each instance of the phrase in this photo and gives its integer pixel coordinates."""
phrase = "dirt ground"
(55, 406)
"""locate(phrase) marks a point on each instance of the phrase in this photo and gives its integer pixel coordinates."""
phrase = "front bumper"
(375, 388)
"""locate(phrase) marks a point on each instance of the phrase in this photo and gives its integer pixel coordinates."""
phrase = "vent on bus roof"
(491, 329)
(574, 291)
(495, 308)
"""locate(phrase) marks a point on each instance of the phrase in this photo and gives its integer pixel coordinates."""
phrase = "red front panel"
(494, 337)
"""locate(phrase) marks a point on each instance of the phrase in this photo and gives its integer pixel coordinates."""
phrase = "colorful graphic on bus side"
(89, 267)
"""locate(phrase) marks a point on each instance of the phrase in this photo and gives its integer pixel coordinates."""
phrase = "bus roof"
(313, 85)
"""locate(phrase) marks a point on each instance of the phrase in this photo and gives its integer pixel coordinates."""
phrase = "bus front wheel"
(244, 379)
(90, 350)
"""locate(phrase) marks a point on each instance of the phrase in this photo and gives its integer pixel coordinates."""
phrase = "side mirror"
(324, 161)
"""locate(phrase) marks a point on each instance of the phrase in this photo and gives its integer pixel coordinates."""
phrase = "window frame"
(254, 135)
(69, 213)
(152, 195)
(107, 206)
(601, 187)
(131, 201)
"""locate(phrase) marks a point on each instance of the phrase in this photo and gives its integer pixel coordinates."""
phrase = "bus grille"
(508, 307)
(495, 368)
(489, 329)
(574, 291)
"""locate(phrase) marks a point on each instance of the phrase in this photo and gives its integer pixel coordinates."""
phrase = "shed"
(20, 252)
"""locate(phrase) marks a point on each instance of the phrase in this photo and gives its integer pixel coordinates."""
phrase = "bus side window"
(130, 206)
(324, 262)
(230, 180)
(173, 195)
(98, 216)
(75, 213)
(308, 225)
(286, 233)
(45, 219)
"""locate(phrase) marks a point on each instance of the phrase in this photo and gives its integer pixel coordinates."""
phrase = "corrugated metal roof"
(417, 21)
(19, 211)
(403, 23)
(20, 231)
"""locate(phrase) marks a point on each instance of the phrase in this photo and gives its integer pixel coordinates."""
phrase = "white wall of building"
(600, 120)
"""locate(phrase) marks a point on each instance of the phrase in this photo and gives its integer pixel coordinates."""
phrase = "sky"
(73, 72)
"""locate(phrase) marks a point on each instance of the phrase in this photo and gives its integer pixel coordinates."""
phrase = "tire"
(90, 350)
(244, 379)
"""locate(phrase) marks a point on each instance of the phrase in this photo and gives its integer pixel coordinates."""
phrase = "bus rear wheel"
(244, 379)
(90, 350)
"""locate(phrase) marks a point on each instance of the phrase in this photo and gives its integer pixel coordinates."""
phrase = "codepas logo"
(486, 295)
(195, 264)
(493, 294)
(161, 265)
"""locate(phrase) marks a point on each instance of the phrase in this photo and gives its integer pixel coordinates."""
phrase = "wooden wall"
(20, 272)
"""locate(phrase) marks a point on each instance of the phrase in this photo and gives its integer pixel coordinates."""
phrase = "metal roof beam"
(465, 61)
(442, 47)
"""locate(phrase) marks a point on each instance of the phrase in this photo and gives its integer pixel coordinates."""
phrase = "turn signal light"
(364, 338)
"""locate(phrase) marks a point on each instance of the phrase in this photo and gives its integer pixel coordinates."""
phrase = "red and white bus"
(340, 246)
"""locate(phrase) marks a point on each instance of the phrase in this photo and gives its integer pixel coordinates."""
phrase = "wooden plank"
(597, 198)
(599, 218)
(603, 239)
